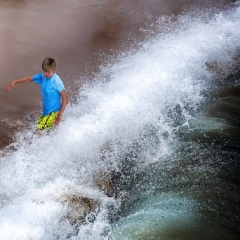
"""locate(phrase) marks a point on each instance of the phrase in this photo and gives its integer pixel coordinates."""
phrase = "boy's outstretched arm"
(64, 104)
(21, 80)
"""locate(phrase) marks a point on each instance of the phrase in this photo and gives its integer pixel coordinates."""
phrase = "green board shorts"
(45, 122)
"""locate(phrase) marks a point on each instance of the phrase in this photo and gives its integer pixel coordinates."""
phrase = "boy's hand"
(58, 119)
(10, 86)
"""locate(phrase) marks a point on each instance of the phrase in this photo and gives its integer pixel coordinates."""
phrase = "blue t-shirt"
(51, 88)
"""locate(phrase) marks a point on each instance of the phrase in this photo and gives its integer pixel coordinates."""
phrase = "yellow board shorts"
(45, 122)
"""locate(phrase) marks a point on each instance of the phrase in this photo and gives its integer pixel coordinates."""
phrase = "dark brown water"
(79, 34)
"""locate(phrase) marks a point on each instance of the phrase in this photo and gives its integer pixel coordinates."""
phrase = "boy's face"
(48, 73)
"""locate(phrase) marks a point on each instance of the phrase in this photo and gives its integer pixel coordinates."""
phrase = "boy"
(53, 93)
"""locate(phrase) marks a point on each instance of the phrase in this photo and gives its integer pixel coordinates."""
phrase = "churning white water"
(128, 109)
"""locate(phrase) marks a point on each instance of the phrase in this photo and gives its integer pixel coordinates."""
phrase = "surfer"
(54, 95)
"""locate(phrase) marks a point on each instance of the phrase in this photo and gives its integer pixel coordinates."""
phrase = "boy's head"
(49, 64)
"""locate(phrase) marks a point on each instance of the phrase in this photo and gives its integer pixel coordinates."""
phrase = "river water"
(149, 144)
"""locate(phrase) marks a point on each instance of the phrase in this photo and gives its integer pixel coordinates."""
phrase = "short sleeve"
(58, 84)
(38, 78)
